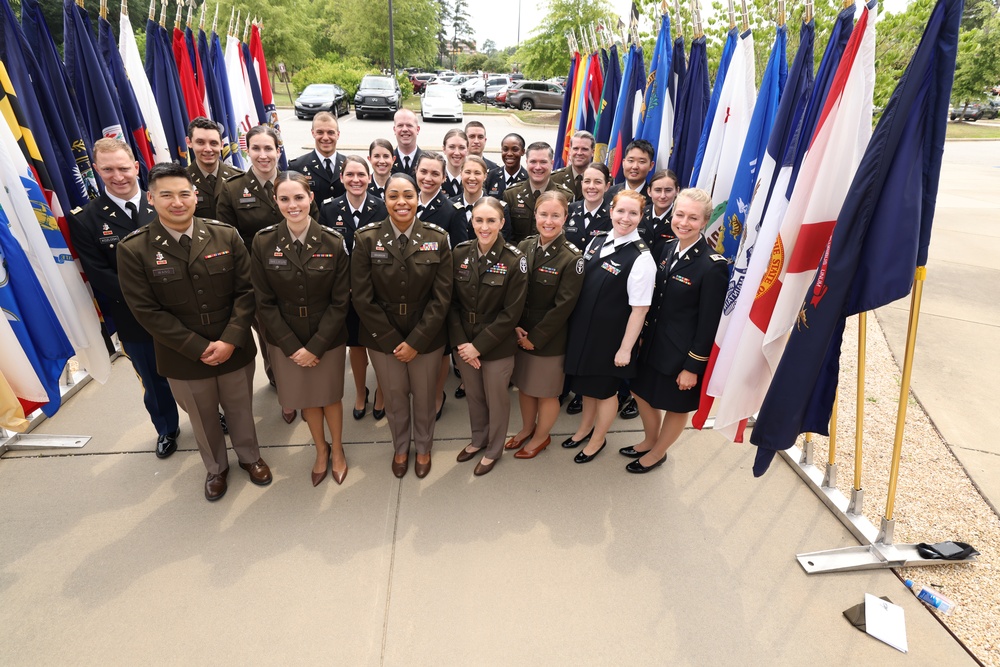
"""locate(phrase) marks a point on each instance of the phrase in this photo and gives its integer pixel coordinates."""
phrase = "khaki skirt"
(541, 377)
(315, 387)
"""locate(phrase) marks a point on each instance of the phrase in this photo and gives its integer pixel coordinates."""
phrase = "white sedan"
(440, 100)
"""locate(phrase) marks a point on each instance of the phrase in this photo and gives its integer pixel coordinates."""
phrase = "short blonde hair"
(112, 145)
(699, 196)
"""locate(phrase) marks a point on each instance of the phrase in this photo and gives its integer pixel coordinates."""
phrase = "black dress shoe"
(223, 424)
(630, 409)
(460, 392)
(575, 406)
(166, 444)
(570, 443)
(376, 413)
(630, 452)
(587, 458)
(562, 398)
(360, 414)
(444, 397)
(638, 468)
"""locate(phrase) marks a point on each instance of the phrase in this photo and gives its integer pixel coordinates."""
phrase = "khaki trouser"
(398, 382)
(488, 396)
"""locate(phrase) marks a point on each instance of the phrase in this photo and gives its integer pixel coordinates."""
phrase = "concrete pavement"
(957, 357)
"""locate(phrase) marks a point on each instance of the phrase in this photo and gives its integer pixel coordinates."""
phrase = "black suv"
(377, 94)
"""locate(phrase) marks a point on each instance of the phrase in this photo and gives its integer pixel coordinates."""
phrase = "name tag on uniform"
(201, 198)
(464, 274)
(380, 254)
(681, 279)
(248, 200)
(108, 239)
(166, 271)
(277, 261)
(611, 269)
(430, 245)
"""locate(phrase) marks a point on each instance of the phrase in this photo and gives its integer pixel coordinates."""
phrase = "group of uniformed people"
(517, 275)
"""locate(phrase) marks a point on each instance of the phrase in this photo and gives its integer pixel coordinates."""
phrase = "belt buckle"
(402, 309)
(472, 318)
(205, 319)
(303, 311)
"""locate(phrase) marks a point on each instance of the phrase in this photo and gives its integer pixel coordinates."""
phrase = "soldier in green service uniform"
(208, 171)
(187, 281)
(491, 282)
(521, 198)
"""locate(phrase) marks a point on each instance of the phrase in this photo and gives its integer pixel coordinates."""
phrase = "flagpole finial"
(663, 7)
(677, 16)
(124, 8)
(699, 31)
(102, 10)
(246, 29)
(745, 15)
(190, 15)
(201, 21)
(781, 12)
(236, 28)
(732, 15)
(215, 21)
(808, 14)
(179, 16)
(163, 14)
(152, 9)
(847, 3)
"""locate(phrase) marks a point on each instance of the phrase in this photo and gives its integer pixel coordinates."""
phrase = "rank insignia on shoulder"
(718, 258)
(77, 210)
(458, 205)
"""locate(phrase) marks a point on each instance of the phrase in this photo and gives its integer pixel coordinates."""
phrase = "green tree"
(489, 47)
(360, 28)
(546, 53)
(443, 23)
(977, 68)
(461, 28)
(472, 62)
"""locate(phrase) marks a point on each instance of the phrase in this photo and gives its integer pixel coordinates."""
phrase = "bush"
(346, 73)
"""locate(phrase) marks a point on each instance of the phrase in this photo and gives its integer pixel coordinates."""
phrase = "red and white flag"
(822, 186)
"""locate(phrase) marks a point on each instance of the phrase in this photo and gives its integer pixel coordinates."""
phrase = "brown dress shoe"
(532, 453)
(399, 469)
(466, 455)
(421, 469)
(215, 485)
(482, 469)
(514, 443)
(260, 474)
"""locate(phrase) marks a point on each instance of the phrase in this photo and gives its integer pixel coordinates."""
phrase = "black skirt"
(595, 386)
(661, 391)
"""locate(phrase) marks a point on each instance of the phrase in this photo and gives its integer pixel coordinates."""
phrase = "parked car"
(440, 100)
(516, 76)
(377, 94)
(561, 80)
(322, 97)
(501, 98)
(985, 110)
(419, 81)
(475, 90)
(528, 95)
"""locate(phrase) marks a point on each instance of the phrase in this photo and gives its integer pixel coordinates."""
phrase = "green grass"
(967, 130)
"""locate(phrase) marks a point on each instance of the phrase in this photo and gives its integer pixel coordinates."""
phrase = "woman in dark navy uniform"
(604, 329)
(590, 216)
(490, 284)
(381, 155)
(655, 228)
(354, 209)
(555, 277)
(433, 205)
(691, 286)
(301, 279)
(456, 147)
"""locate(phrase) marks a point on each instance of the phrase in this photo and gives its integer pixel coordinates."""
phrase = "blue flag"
(214, 92)
(732, 37)
(689, 112)
(560, 142)
(680, 71)
(20, 68)
(839, 36)
(230, 152)
(162, 73)
(135, 124)
(658, 99)
(633, 86)
(258, 100)
(30, 315)
(881, 237)
(754, 145)
(609, 102)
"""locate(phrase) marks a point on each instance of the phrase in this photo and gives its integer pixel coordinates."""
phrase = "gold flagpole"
(808, 15)
(163, 14)
(102, 11)
(745, 15)
(732, 15)
(696, 17)
(885, 535)
(781, 12)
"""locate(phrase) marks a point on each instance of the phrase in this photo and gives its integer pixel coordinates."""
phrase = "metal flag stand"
(16, 442)
(877, 550)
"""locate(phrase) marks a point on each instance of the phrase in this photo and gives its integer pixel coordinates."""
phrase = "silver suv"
(528, 95)
(474, 90)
